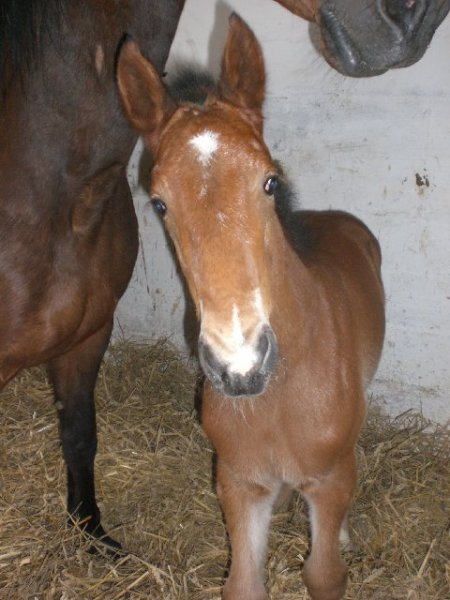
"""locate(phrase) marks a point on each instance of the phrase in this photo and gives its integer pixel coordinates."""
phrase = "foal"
(291, 308)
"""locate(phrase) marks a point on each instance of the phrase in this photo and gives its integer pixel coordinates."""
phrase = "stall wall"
(377, 147)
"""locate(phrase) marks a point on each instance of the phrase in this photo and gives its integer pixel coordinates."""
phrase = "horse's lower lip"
(237, 388)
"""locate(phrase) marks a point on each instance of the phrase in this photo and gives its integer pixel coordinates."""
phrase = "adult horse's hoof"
(100, 542)
(104, 545)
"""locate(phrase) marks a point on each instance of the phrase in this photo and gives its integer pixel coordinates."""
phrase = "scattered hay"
(154, 483)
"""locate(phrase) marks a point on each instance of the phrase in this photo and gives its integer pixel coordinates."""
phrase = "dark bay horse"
(291, 309)
(362, 38)
(68, 231)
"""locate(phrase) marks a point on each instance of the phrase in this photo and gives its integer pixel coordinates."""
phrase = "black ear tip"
(235, 18)
(237, 22)
(127, 38)
(127, 41)
(124, 41)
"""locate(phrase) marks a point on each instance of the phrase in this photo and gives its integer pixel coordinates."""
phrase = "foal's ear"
(145, 100)
(243, 77)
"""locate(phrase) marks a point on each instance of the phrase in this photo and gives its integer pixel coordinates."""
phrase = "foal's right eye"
(159, 206)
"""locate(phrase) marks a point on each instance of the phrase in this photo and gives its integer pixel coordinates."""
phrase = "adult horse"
(291, 309)
(68, 233)
(362, 38)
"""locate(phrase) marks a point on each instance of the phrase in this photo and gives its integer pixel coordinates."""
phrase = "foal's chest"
(266, 439)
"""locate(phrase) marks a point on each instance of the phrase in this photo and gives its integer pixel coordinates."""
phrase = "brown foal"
(291, 308)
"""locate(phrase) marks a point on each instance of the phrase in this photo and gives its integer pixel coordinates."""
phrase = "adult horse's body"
(362, 38)
(68, 234)
(291, 312)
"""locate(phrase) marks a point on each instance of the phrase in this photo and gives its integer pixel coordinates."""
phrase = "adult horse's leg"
(73, 376)
(247, 508)
(329, 499)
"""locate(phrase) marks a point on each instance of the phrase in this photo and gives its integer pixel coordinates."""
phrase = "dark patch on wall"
(422, 180)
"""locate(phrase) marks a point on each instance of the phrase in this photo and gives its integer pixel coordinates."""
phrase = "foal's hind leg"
(329, 499)
(247, 509)
(73, 376)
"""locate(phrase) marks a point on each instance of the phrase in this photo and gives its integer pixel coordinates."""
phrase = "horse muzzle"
(244, 373)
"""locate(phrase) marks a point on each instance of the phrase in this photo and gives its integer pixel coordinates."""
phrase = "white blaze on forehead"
(206, 145)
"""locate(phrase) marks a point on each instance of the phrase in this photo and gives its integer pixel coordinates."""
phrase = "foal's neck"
(292, 288)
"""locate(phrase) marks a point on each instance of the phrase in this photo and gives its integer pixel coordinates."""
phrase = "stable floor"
(155, 487)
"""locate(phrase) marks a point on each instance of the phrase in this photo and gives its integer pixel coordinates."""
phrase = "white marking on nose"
(238, 338)
(244, 357)
(238, 353)
(206, 145)
(259, 305)
(243, 360)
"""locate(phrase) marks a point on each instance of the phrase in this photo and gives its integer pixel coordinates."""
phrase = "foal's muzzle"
(233, 383)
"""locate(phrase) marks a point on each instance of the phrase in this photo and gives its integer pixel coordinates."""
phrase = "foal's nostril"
(209, 363)
(267, 350)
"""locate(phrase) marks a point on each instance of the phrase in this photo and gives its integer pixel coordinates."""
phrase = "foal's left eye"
(270, 185)
(159, 206)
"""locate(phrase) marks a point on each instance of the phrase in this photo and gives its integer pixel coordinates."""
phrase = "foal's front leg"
(247, 508)
(73, 376)
(329, 500)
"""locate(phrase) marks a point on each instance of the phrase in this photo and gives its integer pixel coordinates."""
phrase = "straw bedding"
(154, 484)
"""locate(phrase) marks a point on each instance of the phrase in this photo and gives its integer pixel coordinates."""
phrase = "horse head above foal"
(363, 38)
(290, 304)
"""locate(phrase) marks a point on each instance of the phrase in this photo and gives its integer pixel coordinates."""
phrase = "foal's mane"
(190, 84)
(297, 232)
(25, 27)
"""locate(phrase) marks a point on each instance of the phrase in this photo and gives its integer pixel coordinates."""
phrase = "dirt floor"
(154, 485)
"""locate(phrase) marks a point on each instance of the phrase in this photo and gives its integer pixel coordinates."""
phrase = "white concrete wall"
(358, 145)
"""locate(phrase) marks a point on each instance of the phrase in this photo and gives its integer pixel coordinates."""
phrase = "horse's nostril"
(404, 14)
